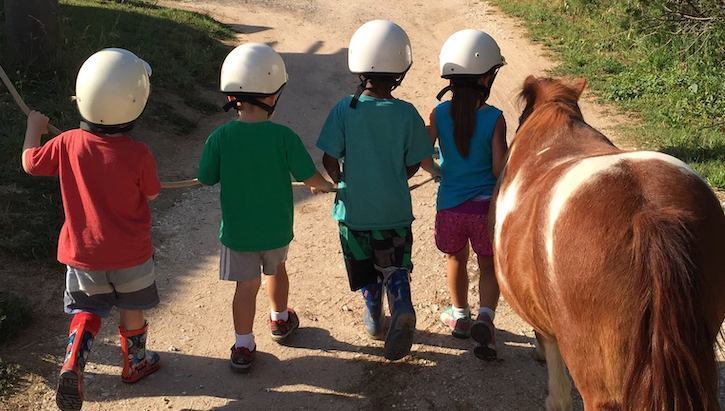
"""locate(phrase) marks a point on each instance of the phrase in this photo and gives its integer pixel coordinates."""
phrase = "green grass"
(667, 68)
(185, 51)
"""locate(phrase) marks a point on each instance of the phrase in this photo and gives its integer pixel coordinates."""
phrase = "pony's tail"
(672, 359)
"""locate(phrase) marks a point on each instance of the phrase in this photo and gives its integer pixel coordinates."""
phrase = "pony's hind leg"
(559, 398)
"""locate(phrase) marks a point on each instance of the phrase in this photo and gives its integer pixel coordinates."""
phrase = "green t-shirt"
(377, 140)
(253, 162)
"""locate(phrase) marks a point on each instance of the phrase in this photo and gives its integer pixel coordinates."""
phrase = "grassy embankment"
(663, 60)
(185, 51)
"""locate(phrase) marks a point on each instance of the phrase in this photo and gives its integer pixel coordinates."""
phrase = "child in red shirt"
(106, 180)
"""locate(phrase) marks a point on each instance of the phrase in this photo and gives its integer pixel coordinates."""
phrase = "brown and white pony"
(616, 258)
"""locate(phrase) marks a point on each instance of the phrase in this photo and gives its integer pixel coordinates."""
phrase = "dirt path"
(330, 363)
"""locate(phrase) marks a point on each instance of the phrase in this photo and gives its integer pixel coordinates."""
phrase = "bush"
(15, 315)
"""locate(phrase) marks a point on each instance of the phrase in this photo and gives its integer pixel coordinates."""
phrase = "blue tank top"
(463, 178)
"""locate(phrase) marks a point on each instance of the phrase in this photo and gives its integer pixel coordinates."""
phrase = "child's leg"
(83, 328)
(88, 298)
(135, 291)
(451, 238)
(483, 330)
(244, 305)
(359, 256)
(458, 316)
(487, 286)
(278, 289)
(131, 319)
(283, 320)
(138, 362)
(458, 277)
(392, 250)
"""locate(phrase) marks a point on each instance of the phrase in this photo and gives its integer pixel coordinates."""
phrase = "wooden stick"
(19, 100)
(426, 181)
(180, 184)
(195, 183)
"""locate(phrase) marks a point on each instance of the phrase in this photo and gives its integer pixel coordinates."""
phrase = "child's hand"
(37, 122)
(327, 188)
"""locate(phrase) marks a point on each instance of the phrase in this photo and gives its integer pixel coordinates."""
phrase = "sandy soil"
(330, 363)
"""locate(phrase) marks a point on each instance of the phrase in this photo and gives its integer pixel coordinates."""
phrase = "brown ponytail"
(468, 96)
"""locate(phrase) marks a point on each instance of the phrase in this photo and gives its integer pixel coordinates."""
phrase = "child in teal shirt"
(381, 142)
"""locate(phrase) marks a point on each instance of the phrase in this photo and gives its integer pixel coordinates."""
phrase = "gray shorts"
(97, 292)
(248, 265)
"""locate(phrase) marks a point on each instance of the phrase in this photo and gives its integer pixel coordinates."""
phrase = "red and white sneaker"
(282, 329)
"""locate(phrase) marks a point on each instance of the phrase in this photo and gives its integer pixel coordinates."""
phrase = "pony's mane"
(551, 100)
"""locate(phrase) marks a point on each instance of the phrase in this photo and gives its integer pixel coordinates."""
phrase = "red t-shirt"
(104, 181)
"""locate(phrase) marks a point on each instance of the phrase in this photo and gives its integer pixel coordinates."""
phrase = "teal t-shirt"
(253, 163)
(376, 141)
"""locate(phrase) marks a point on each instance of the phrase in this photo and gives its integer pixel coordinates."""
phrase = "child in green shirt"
(253, 158)
(382, 141)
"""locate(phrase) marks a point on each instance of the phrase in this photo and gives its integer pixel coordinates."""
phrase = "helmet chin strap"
(102, 129)
(469, 83)
(254, 100)
(364, 86)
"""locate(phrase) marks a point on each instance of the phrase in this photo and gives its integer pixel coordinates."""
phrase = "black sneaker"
(484, 332)
(241, 359)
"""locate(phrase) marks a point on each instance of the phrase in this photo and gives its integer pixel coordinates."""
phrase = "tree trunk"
(32, 30)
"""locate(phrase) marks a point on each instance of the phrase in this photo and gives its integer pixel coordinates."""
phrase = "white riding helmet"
(379, 46)
(254, 69)
(112, 87)
(469, 52)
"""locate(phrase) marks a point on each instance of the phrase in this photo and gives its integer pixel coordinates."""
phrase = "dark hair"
(383, 81)
(467, 95)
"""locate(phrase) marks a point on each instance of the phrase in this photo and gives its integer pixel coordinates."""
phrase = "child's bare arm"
(429, 164)
(332, 166)
(499, 146)
(318, 183)
(37, 126)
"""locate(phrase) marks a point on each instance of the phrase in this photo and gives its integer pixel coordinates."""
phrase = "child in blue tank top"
(472, 139)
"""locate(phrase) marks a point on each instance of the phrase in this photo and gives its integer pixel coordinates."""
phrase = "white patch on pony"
(505, 204)
(543, 151)
(585, 172)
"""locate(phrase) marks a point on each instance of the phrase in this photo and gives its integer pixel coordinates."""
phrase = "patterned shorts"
(97, 292)
(368, 253)
(454, 229)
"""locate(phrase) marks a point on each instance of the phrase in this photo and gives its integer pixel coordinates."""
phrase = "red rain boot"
(83, 328)
(137, 362)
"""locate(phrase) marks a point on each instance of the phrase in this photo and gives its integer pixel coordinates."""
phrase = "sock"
(489, 312)
(461, 312)
(246, 341)
(279, 316)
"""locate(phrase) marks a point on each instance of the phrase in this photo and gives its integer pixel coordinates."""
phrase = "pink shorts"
(455, 227)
